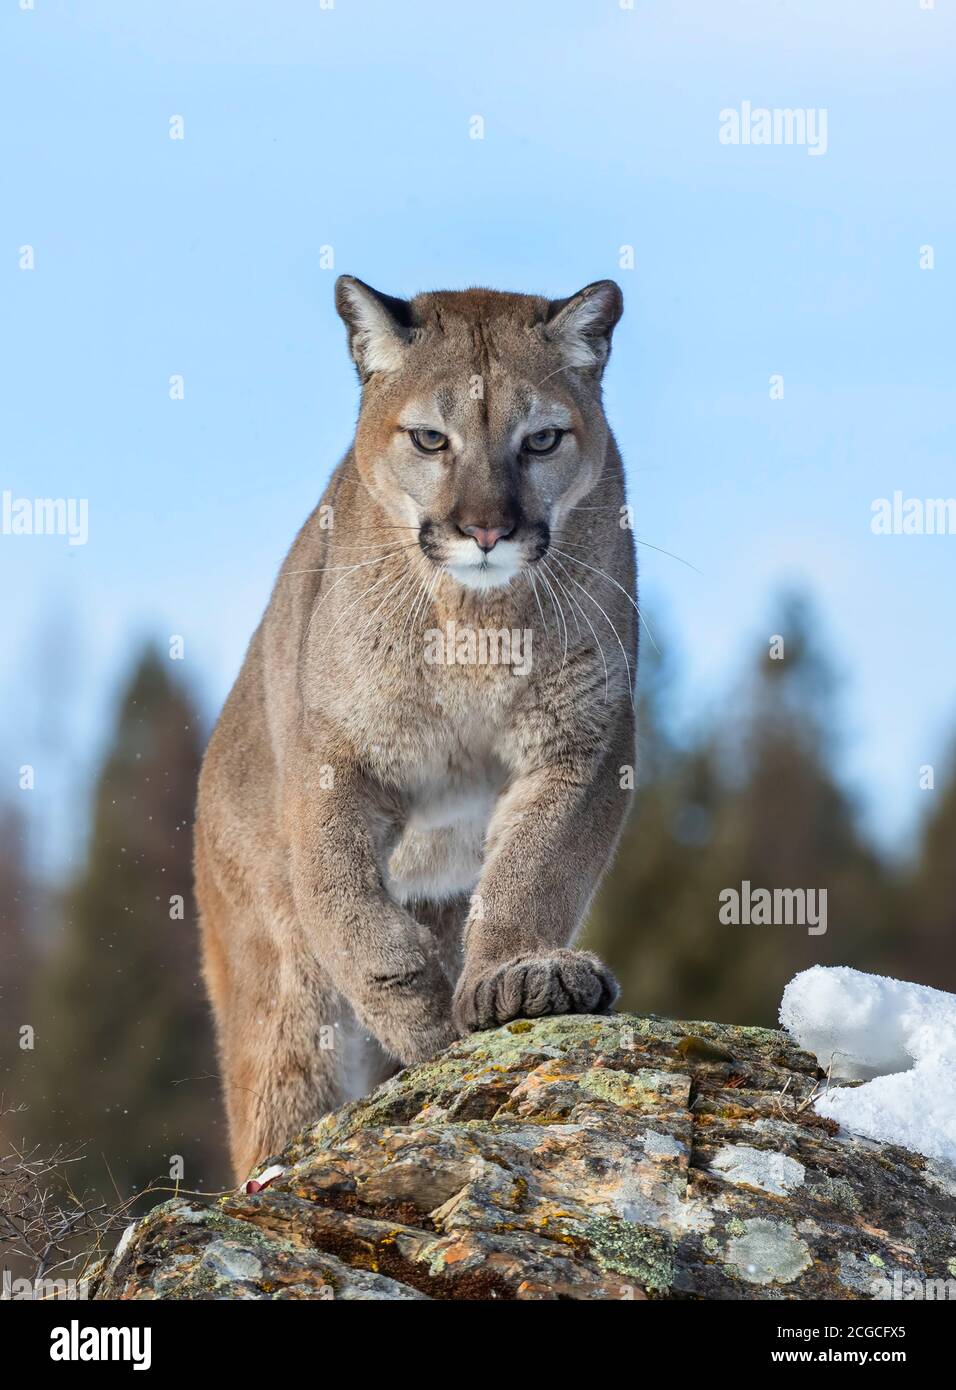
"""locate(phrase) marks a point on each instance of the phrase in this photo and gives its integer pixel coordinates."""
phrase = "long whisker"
(597, 641)
(575, 561)
(390, 593)
(383, 579)
(367, 545)
(408, 631)
(361, 564)
(563, 590)
(419, 610)
(638, 541)
(627, 664)
(380, 526)
(430, 595)
(564, 624)
(402, 598)
(350, 569)
(554, 602)
(534, 588)
(423, 606)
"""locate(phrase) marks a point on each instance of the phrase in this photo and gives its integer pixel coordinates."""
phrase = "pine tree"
(642, 909)
(927, 940)
(124, 1058)
(788, 822)
(756, 800)
(17, 948)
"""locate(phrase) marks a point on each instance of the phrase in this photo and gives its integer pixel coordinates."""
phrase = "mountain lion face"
(481, 422)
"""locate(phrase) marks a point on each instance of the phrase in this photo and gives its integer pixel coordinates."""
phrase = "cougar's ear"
(378, 325)
(582, 325)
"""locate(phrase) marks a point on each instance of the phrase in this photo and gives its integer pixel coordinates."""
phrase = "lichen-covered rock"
(571, 1157)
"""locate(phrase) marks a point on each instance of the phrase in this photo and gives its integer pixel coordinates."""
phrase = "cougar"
(424, 765)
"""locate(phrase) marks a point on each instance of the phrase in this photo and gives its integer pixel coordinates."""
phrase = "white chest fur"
(439, 851)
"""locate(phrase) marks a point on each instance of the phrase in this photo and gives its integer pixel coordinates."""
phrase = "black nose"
(487, 537)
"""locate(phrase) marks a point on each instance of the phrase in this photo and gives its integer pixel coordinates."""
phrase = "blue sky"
(349, 128)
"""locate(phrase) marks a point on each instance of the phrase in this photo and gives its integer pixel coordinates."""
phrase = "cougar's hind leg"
(281, 1058)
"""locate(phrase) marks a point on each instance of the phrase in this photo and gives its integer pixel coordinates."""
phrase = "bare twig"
(45, 1225)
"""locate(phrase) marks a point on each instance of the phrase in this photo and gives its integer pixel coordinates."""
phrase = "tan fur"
(390, 851)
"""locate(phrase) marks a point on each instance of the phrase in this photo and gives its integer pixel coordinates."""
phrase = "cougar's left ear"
(378, 325)
(582, 325)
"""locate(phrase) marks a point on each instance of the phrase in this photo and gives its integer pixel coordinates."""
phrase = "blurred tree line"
(122, 1056)
(119, 1054)
(756, 799)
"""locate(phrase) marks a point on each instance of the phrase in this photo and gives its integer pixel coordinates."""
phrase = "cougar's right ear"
(378, 325)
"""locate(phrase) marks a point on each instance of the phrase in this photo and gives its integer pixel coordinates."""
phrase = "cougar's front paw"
(558, 982)
(406, 1002)
(421, 1044)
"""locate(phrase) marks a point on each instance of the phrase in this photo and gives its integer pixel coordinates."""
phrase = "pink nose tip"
(487, 537)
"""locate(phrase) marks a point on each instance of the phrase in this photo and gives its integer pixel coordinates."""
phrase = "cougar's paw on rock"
(558, 982)
(411, 1041)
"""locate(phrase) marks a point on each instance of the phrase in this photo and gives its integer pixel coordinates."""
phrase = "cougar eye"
(429, 441)
(543, 441)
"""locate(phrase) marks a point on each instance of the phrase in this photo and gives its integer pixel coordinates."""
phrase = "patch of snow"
(867, 1025)
(916, 1109)
(899, 1038)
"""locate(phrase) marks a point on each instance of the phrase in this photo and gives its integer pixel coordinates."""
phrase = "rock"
(573, 1157)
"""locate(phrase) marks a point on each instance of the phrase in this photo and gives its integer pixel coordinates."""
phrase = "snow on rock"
(867, 1025)
(899, 1038)
(914, 1108)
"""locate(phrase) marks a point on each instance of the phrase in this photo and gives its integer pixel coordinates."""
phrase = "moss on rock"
(571, 1157)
